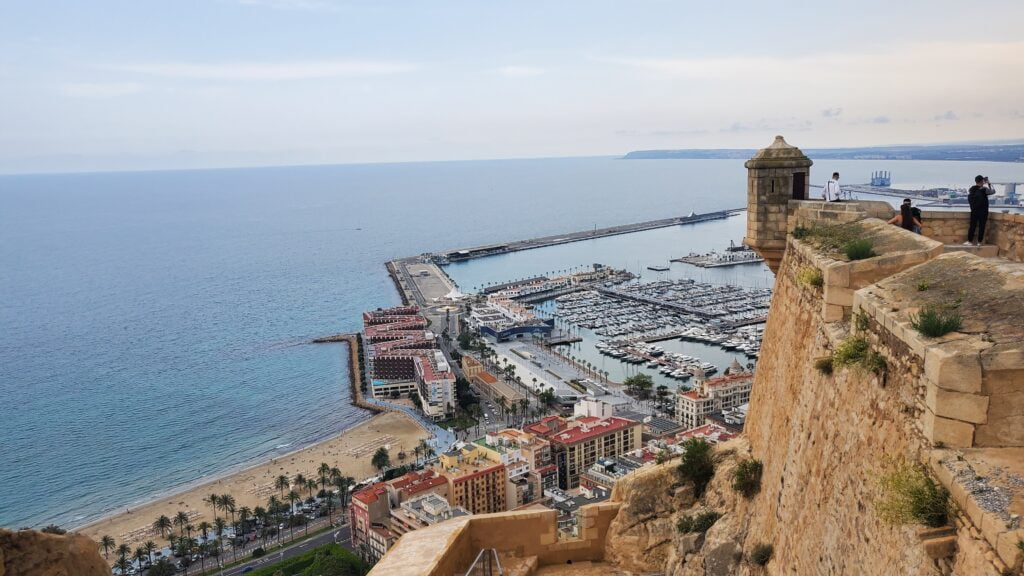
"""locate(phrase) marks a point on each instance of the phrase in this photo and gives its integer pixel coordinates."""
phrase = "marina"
(734, 256)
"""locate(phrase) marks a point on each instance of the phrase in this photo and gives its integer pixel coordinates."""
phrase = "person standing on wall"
(977, 197)
(832, 192)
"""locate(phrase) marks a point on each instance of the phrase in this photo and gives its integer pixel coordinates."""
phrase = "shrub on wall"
(933, 321)
(859, 249)
(746, 478)
(699, 523)
(910, 496)
(856, 352)
(761, 554)
(810, 276)
(824, 365)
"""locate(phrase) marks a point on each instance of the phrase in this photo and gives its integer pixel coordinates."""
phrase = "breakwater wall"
(545, 241)
(355, 371)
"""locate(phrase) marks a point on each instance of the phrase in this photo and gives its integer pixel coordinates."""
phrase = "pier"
(543, 242)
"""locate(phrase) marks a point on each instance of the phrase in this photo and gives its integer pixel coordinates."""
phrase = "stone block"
(975, 513)
(1003, 381)
(959, 494)
(957, 405)
(937, 548)
(952, 433)
(954, 366)
(837, 274)
(832, 313)
(839, 296)
(1007, 431)
(1006, 548)
(991, 527)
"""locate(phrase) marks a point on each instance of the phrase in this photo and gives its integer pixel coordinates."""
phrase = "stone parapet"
(532, 535)
(1005, 231)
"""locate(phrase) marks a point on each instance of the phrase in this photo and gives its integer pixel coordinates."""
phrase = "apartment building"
(475, 481)
(578, 443)
(370, 509)
(711, 396)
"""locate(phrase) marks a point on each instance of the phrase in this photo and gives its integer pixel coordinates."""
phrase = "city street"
(340, 535)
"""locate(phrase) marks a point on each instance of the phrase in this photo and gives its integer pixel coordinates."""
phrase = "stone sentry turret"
(775, 175)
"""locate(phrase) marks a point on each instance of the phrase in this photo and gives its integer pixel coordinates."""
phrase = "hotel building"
(710, 396)
(577, 444)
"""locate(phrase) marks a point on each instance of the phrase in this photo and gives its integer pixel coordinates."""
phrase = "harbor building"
(578, 443)
(402, 357)
(503, 319)
(725, 393)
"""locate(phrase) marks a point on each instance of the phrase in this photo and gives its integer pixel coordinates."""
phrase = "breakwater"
(355, 372)
(545, 241)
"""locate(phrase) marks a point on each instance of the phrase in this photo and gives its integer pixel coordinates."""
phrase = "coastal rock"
(31, 553)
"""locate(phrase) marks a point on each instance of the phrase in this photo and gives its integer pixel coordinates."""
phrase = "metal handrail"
(490, 562)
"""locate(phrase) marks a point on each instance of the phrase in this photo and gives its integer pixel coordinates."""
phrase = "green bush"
(810, 276)
(746, 478)
(761, 554)
(922, 286)
(696, 465)
(1020, 545)
(910, 496)
(824, 365)
(258, 552)
(851, 351)
(700, 523)
(859, 249)
(800, 232)
(934, 322)
(874, 363)
(862, 321)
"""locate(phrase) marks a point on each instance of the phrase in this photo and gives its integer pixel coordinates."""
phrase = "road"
(340, 536)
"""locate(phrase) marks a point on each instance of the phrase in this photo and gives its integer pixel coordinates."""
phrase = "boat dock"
(495, 249)
(719, 260)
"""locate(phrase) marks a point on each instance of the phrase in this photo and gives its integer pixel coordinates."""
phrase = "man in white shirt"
(832, 192)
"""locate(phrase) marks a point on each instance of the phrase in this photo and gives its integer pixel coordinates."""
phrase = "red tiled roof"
(416, 482)
(706, 431)
(591, 427)
(370, 494)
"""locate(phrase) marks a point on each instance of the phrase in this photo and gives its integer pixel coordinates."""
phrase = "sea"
(155, 327)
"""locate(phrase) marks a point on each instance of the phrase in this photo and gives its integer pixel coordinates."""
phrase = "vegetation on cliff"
(910, 496)
(746, 478)
(935, 321)
(697, 465)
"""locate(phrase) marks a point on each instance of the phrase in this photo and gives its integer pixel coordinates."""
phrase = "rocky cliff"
(30, 553)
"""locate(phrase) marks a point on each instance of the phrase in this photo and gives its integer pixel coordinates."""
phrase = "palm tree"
(139, 556)
(123, 551)
(292, 497)
(502, 404)
(381, 460)
(184, 548)
(219, 524)
(274, 507)
(162, 525)
(325, 472)
(150, 547)
(260, 513)
(282, 483)
(214, 501)
(122, 565)
(244, 514)
(424, 447)
(513, 409)
(523, 405)
(227, 503)
(299, 481)
(181, 520)
(107, 542)
(204, 529)
(310, 486)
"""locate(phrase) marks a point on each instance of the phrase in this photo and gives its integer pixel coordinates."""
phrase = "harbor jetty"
(545, 241)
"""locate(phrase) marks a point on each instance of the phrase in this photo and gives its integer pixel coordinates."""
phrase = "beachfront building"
(578, 443)
(529, 465)
(370, 509)
(475, 481)
(725, 393)
(423, 511)
(402, 357)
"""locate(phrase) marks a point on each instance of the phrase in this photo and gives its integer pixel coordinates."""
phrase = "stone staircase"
(983, 251)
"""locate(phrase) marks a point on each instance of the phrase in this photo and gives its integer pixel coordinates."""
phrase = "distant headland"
(1006, 152)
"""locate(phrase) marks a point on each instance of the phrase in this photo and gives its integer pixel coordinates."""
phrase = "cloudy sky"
(135, 84)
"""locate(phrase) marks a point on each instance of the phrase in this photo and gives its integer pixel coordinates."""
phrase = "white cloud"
(260, 71)
(519, 71)
(99, 89)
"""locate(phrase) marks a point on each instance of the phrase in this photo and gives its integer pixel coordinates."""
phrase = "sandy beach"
(350, 451)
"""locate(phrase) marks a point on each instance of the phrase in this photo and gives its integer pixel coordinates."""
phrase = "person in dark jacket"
(977, 197)
(906, 218)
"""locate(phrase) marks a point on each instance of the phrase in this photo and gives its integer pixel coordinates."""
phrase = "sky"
(148, 84)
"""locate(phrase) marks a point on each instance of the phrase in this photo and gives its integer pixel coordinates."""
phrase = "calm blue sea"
(153, 325)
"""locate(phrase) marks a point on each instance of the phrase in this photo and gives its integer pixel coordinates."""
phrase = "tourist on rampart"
(977, 197)
(832, 192)
(906, 218)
